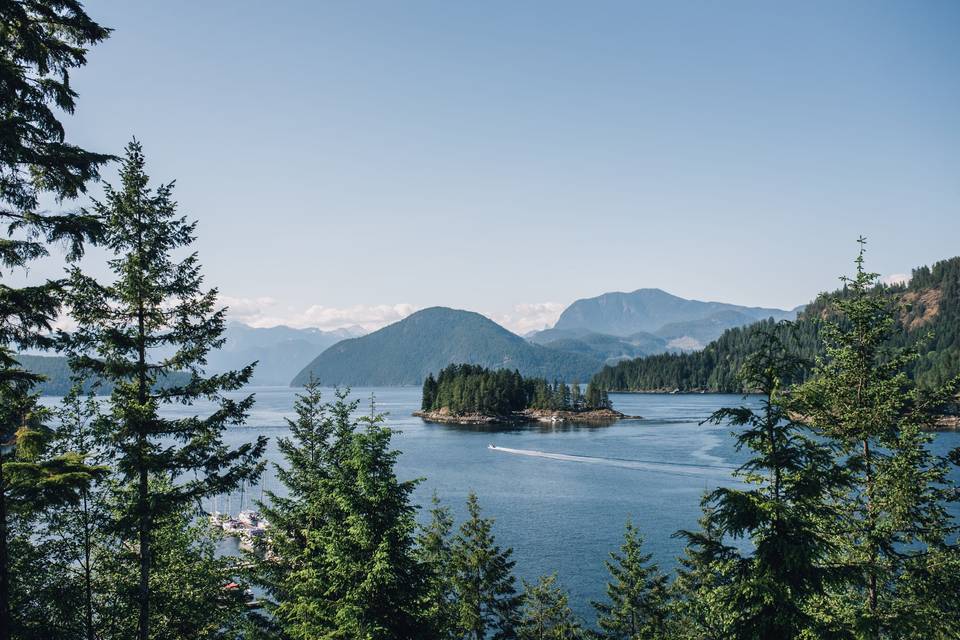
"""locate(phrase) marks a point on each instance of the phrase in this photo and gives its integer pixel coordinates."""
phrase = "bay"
(560, 494)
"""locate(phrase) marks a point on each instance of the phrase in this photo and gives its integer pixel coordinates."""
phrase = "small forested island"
(472, 394)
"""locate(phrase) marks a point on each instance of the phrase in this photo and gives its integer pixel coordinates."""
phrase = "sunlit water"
(560, 494)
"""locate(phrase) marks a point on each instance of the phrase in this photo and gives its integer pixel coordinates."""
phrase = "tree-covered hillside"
(604, 347)
(928, 309)
(405, 352)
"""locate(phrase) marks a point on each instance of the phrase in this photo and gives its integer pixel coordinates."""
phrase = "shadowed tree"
(435, 553)
(40, 43)
(785, 514)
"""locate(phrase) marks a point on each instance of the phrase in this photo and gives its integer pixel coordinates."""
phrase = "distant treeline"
(466, 389)
(928, 319)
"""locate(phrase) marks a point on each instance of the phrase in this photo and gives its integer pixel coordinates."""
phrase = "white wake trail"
(698, 470)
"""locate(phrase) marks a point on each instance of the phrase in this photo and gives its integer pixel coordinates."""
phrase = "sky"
(351, 162)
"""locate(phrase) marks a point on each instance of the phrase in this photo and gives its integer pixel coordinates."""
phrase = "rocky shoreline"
(592, 416)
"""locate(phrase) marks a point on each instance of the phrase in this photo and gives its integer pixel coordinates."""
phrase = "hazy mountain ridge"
(56, 370)
(280, 351)
(658, 312)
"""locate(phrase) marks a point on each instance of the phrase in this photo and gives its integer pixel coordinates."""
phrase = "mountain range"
(589, 334)
(281, 352)
(683, 324)
(405, 352)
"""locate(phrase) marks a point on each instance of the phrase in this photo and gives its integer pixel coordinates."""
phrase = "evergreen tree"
(637, 603)
(429, 393)
(75, 529)
(700, 608)
(435, 553)
(546, 613)
(893, 521)
(368, 547)
(39, 44)
(33, 481)
(156, 305)
(793, 478)
(596, 397)
(576, 397)
(192, 589)
(487, 601)
(340, 559)
(304, 506)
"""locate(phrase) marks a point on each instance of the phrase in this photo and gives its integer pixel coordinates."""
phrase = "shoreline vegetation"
(586, 416)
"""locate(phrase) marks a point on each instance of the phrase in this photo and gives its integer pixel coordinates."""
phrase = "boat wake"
(678, 468)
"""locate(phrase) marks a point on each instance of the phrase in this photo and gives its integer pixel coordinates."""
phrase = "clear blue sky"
(484, 155)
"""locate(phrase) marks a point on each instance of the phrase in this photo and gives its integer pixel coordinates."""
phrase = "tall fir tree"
(546, 613)
(785, 513)
(894, 531)
(435, 553)
(488, 603)
(636, 606)
(308, 455)
(157, 305)
(40, 43)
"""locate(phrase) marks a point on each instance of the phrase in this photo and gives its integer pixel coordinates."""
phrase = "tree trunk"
(4, 562)
(872, 577)
(143, 626)
(87, 571)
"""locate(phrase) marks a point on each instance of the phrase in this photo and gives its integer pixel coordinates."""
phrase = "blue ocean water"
(560, 494)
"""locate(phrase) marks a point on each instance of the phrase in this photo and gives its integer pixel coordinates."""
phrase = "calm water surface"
(560, 495)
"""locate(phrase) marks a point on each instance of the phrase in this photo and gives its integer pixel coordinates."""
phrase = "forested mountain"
(928, 305)
(279, 351)
(55, 369)
(405, 352)
(602, 346)
(653, 310)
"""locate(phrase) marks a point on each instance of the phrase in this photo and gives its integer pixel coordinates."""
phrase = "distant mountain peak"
(651, 310)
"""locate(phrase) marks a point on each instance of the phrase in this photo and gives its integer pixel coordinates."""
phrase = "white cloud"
(895, 278)
(247, 310)
(527, 317)
(370, 317)
(266, 312)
